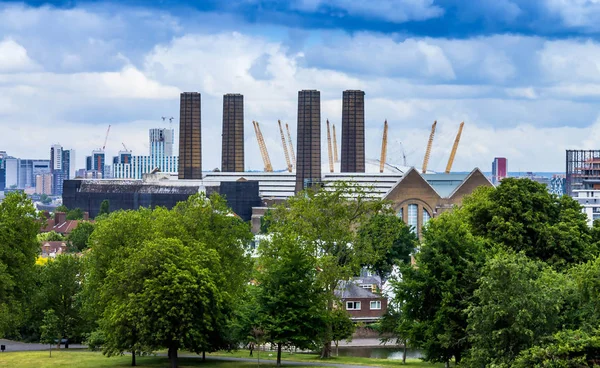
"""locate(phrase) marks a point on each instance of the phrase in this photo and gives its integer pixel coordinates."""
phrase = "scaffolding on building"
(582, 170)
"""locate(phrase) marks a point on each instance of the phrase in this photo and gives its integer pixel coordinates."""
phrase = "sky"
(524, 75)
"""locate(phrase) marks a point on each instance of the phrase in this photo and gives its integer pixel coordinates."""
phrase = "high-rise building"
(353, 131)
(43, 183)
(582, 170)
(161, 142)
(499, 169)
(88, 163)
(11, 165)
(98, 161)
(3, 157)
(57, 170)
(232, 151)
(308, 157)
(190, 137)
(69, 164)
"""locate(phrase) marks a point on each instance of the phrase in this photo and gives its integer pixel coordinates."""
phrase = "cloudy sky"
(524, 75)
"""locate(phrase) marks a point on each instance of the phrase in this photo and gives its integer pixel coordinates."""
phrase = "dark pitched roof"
(351, 290)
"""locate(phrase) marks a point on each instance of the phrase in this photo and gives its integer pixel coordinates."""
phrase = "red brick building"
(362, 304)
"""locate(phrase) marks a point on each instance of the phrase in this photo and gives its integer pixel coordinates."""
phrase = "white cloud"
(576, 13)
(14, 58)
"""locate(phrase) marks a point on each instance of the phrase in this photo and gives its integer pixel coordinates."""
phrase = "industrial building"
(353, 131)
(308, 140)
(190, 136)
(232, 149)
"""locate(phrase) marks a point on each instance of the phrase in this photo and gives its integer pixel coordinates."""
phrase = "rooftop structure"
(582, 170)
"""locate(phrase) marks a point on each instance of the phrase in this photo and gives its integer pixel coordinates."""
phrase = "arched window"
(413, 211)
(426, 216)
(401, 213)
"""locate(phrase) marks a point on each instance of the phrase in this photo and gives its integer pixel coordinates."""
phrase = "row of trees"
(507, 280)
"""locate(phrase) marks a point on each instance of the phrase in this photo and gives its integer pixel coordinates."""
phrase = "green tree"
(434, 295)
(50, 236)
(45, 199)
(291, 304)
(385, 241)
(19, 248)
(50, 329)
(75, 214)
(61, 208)
(522, 215)
(80, 236)
(326, 222)
(104, 208)
(342, 327)
(518, 303)
(59, 290)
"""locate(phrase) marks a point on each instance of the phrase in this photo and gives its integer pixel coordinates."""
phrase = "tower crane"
(330, 155)
(287, 127)
(285, 149)
(106, 138)
(335, 151)
(428, 150)
(263, 147)
(454, 148)
(124, 146)
(383, 147)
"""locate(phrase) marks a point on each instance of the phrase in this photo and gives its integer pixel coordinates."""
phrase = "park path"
(25, 346)
(283, 362)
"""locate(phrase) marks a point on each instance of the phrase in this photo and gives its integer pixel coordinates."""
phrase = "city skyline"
(512, 71)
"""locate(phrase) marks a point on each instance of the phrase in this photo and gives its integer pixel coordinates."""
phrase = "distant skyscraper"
(56, 168)
(88, 163)
(190, 137)
(3, 157)
(43, 184)
(98, 161)
(232, 151)
(308, 157)
(11, 165)
(69, 164)
(353, 131)
(499, 169)
(161, 142)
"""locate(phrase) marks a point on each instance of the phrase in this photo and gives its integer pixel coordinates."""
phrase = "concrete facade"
(232, 148)
(190, 136)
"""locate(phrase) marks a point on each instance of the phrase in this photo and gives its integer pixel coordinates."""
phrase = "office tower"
(190, 137)
(232, 151)
(499, 169)
(43, 184)
(308, 157)
(11, 165)
(56, 168)
(68, 164)
(353, 131)
(161, 142)
(3, 157)
(98, 161)
(88, 163)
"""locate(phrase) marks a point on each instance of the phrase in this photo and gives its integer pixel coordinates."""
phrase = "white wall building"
(589, 199)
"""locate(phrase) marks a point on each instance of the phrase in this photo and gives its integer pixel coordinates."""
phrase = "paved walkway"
(283, 362)
(24, 346)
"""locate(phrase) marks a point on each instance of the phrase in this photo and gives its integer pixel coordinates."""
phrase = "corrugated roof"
(445, 184)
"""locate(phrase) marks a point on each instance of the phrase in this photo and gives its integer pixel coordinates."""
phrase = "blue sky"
(523, 75)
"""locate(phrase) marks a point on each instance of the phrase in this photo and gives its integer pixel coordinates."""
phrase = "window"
(426, 217)
(367, 286)
(352, 305)
(375, 304)
(412, 216)
(401, 213)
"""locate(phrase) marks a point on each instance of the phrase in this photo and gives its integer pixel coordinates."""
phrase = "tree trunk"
(404, 353)
(337, 348)
(173, 355)
(133, 358)
(50, 350)
(204, 356)
(326, 351)
(279, 354)
(446, 365)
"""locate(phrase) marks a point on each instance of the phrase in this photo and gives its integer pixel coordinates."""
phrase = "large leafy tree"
(104, 208)
(518, 303)
(434, 295)
(291, 304)
(79, 237)
(522, 215)
(385, 241)
(19, 248)
(326, 222)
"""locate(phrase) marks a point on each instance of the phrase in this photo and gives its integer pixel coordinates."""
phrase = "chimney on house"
(86, 216)
(59, 217)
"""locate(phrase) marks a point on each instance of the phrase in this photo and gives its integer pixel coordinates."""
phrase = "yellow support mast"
(287, 127)
(263, 147)
(454, 148)
(335, 151)
(329, 154)
(285, 149)
(383, 147)
(428, 150)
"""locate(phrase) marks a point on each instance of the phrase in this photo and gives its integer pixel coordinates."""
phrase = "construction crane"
(287, 127)
(335, 151)
(428, 150)
(330, 155)
(285, 149)
(453, 152)
(383, 147)
(263, 147)
(106, 138)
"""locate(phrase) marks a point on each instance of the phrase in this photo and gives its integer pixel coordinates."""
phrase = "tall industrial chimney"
(353, 131)
(308, 157)
(190, 137)
(232, 151)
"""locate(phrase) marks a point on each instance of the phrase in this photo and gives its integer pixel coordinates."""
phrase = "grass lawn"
(341, 360)
(85, 359)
